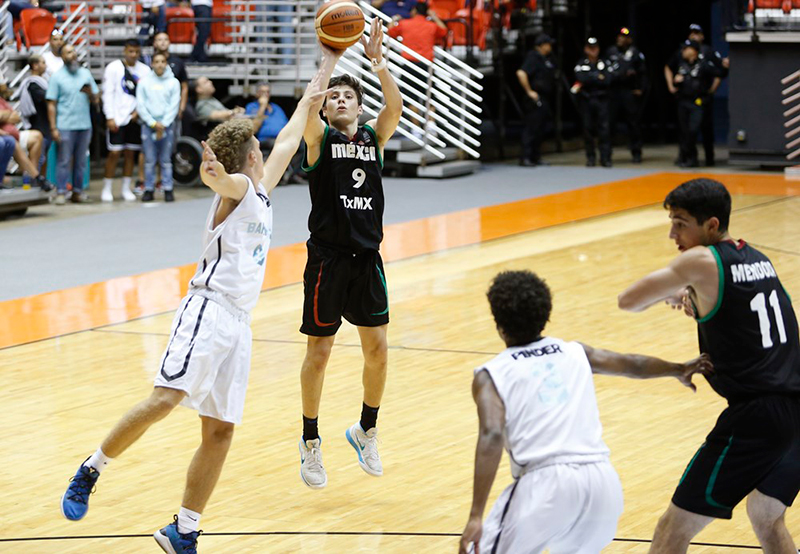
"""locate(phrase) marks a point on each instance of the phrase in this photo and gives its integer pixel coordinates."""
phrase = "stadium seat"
(221, 31)
(180, 32)
(37, 24)
(481, 22)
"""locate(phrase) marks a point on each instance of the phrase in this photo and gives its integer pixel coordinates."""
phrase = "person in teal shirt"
(69, 93)
(158, 97)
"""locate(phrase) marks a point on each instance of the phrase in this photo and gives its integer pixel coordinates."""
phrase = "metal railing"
(6, 32)
(452, 99)
(791, 95)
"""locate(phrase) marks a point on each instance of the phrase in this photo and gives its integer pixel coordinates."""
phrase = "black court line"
(781, 250)
(331, 534)
(417, 256)
(301, 342)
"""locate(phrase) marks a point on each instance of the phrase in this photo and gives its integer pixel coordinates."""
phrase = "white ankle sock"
(107, 183)
(126, 183)
(188, 521)
(98, 460)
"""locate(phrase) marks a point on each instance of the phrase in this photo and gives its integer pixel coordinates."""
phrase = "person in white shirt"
(123, 132)
(207, 360)
(537, 399)
(52, 58)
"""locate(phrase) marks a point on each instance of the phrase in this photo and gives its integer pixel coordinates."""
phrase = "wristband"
(378, 66)
(153, 125)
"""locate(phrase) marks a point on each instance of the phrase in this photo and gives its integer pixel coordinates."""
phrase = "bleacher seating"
(37, 25)
(180, 32)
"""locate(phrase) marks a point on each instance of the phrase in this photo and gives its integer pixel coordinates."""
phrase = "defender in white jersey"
(537, 399)
(207, 360)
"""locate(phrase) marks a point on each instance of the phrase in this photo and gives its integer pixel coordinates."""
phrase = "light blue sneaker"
(174, 542)
(75, 502)
(366, 446)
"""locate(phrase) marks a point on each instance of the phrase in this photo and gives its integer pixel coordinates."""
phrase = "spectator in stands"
(593, 76)
(69, 93)
(537, 76)
(9, 119)
(209, 109)
(420, 32)
(202, 14)
(158, 99)
(154, 15)
(52, 59)
(268, 118)
(123, 132)
(161, 45)
(395, 8)
(33, 108)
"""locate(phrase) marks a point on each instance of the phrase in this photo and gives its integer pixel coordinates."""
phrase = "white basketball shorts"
(208, 356)
(568, 508)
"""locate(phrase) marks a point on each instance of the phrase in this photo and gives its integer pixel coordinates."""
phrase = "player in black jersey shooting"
(747, 325)
(344, 275)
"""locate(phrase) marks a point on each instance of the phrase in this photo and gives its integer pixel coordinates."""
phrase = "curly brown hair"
(232, 142)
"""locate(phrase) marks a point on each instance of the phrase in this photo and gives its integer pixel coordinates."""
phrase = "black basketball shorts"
(339, 285)
(755, 445)
(128, 137)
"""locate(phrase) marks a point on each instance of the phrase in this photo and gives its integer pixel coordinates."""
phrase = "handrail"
(792, 124)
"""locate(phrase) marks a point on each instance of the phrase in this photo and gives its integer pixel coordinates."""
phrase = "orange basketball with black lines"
(339, 23)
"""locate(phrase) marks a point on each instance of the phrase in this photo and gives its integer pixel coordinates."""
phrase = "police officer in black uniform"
(721, 66)
(747, 326)
(628, 86)
(538, 78)
(693, 82)
(593, 76)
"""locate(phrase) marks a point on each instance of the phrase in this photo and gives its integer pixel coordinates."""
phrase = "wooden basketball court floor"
(73, 362)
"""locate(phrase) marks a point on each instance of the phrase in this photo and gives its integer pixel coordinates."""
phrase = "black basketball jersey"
(347, 192)
(751, 334)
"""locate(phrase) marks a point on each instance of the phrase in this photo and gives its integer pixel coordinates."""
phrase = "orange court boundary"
(122, 299)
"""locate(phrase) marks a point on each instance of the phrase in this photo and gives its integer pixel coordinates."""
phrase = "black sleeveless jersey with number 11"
(751, 334)
(347, 192)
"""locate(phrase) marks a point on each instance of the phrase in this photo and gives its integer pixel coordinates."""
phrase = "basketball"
(339, 23)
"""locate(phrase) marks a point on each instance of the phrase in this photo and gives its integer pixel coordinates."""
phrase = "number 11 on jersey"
(758, 305)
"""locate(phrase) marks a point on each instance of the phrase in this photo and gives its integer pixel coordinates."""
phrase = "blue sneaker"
(75, 502)
(366, 446)
(172, 541)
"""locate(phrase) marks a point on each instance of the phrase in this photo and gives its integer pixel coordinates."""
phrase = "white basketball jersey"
(550, 404)
(235, 251)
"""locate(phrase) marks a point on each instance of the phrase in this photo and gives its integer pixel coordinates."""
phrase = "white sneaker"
(366, 446)
(312, 472)
(107, 195)
(127, 195)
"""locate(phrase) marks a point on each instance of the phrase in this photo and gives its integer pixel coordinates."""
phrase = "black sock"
(369, 417)
(310, 431)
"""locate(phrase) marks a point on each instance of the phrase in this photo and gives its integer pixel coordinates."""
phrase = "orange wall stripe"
(122, 299)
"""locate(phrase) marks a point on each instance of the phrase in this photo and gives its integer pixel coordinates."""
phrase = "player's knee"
(763, 519)
(219, 433)
(318, 353)
(163, 401)
(376, 354)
